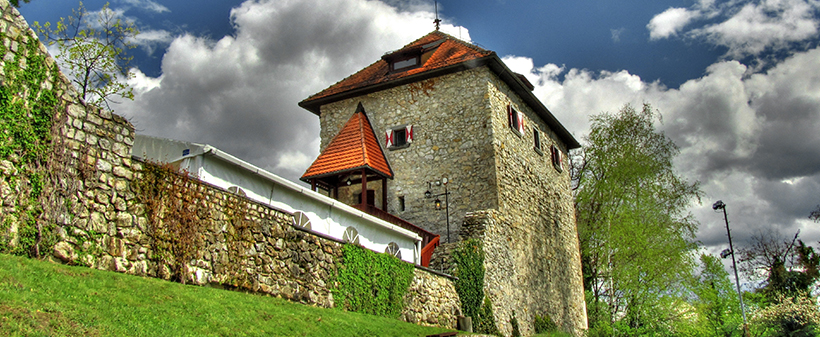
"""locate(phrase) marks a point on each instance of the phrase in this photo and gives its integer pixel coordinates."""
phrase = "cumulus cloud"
(670, 22)
(744, 27)
(240, 93)
(750, 139)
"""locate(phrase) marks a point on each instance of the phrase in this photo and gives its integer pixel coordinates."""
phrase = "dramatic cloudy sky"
(737, 82)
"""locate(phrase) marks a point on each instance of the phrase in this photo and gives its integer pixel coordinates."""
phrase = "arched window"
(393, 249)
(351, 235)
(300, 219)
(237, 190)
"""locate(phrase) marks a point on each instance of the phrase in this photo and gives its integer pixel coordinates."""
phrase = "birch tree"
(635, 232)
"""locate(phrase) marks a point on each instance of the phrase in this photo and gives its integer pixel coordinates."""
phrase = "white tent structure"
(311, 210)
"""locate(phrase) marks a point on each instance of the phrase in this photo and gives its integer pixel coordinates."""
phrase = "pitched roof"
(447, 51)
(449, 55)
(354, 147)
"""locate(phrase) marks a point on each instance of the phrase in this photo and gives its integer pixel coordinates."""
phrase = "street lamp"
(437, 202)
(719, 205)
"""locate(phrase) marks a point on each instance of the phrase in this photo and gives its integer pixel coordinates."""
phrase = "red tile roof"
(447, 51)
(356, 146)
(449, 55)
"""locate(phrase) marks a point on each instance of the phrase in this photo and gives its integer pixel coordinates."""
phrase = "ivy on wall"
(469, 260)
(175, 206)
(27, 120)
(371, 282)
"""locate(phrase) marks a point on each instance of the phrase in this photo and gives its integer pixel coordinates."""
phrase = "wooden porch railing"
(429, 241)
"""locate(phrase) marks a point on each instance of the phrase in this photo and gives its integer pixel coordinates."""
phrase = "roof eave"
(313, 105)
(492, 61)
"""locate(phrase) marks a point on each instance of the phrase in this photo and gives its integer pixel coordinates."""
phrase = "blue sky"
(736, 82)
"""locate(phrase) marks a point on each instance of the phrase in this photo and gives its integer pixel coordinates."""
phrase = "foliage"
(27, 113)
(39, 298)
(16, 3)
(716, 301)
(516, 330)
(634, 230)
(92, 47)
(372, 283)
(544, 324)
(173, 204)
(789, 268)
(795, 315)
(469, 260)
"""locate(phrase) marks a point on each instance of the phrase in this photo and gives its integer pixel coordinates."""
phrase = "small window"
(406, 63)
(401, 204)
(393, 249)
(536, 137)
(237, 190)
(351, 235)
(557, 158)
(398, 137)
(516, 119)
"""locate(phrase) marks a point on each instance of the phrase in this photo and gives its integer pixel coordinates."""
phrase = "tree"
(92, 48)
(635, 233)
(716, 301)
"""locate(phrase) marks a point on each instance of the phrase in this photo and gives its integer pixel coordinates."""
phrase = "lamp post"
(437, 202)
(720, 205)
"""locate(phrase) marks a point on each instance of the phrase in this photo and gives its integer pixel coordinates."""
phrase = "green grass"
(40, 298)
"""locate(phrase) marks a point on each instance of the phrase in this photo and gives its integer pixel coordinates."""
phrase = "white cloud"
(147, 5)
(749, 138)
(744, 27)
(670, 22)
(240, 93)
(769, 24)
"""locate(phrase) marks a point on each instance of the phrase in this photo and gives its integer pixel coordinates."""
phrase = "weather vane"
(437, 21)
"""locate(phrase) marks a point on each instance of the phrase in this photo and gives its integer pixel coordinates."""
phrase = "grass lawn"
(40, 298)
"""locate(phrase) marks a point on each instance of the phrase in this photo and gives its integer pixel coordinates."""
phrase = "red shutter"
(510, 116)
(388, 137)
(409, 134)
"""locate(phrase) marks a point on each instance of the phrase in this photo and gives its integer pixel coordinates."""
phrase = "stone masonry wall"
(94, 211)
(452, 138)
(533, 257)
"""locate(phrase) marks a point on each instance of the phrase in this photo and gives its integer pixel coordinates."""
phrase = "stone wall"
(95, 208)
(452, 138)
(533, 258)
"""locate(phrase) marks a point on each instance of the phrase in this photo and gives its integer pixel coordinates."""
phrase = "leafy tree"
(716, 300)
(635, 233)
(92, 48)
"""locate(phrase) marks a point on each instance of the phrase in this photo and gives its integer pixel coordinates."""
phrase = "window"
(401, 204)
(351, 235)
(300, 219)
(398, 137)
(536, 137)
(393, 249)
(557, 158)
(371, 197)
(516, 119)
(406, 63)
(237, 190)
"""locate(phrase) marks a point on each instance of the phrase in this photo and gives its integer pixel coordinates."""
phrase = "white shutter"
(388, 137)
(408, 132)
(521, 122)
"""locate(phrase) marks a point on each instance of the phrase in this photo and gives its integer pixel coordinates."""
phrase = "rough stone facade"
(503, 190)
(452, 139)
(431, 300)
(98, 216)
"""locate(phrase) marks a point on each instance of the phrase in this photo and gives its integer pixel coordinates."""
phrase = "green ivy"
(516, 330)
(26, 118)
(371, 282)
(469, 261)
(544, 324)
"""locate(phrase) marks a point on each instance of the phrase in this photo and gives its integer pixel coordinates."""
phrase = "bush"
(544, 324)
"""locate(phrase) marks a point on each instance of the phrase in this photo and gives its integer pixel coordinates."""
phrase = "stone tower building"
(443, 108)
